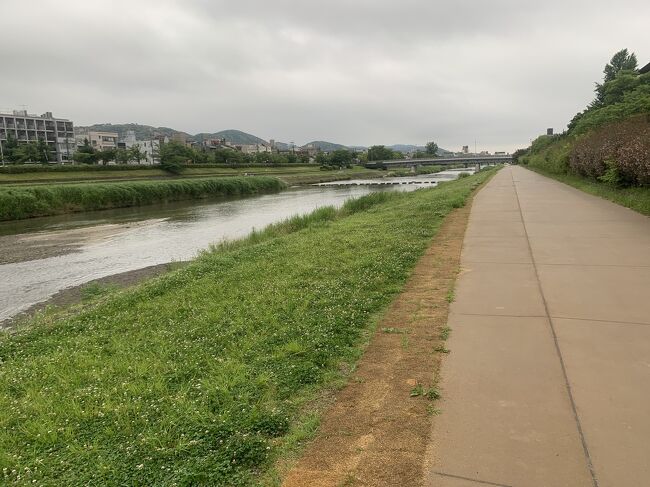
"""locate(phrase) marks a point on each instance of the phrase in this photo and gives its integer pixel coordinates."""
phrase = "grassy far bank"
(289, 173)
(200, 377)
(33, 201)
(636, 198)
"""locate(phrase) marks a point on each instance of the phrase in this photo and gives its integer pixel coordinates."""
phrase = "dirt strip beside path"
(376, 432)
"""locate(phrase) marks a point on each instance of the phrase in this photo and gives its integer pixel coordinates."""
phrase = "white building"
(58, 133)
(149, 148)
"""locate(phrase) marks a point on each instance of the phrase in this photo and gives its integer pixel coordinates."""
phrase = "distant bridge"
(441, 161)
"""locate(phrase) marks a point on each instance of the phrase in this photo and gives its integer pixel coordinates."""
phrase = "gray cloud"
(354, 71)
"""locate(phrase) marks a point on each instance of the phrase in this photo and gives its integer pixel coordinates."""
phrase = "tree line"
(174, 155)
(33, 151)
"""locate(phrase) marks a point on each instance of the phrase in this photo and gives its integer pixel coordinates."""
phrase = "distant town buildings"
(253, 148)
(57, 133)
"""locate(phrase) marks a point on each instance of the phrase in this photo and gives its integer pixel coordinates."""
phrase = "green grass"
(637, 199)
(96, 289)
(451, 296)
(208, 375)
(444, 334)
(27, 202)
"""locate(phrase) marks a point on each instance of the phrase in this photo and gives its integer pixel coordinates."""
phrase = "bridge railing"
(500, 159)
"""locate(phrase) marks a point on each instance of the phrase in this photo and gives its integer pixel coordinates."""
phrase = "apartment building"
(99, 140)
(58, 133)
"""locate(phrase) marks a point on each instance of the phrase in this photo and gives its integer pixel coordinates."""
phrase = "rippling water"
(43, 256)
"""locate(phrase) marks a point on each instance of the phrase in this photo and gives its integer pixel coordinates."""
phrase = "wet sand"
(74, 295)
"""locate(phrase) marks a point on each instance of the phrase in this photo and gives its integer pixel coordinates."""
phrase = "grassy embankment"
(32, 201)
(294, 174)
(552, 158)
(206, 376)
(637, 199)
(606, 149)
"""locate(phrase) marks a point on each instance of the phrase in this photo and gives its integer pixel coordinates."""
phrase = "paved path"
(548, 380)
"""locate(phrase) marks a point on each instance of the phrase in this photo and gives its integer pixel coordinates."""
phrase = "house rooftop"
(645, 69)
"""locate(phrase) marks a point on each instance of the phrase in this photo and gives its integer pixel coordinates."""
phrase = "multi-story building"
(58, 133)
(102, 140)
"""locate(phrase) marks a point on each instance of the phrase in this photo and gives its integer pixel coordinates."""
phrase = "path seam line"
(583, 440)
(483, 482)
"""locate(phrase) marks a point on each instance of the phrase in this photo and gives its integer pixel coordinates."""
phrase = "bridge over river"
(465, 161)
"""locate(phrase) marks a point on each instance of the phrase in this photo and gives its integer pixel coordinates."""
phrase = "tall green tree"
(135, 154)
(341, 157)
(122, 156)
(45, 152)
(431, 149)
(85, 154)
(9, 148)
(622, 61)
(28, 152)
(380, 153)
(106, 155)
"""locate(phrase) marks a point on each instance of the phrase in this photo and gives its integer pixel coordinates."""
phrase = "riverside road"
(548, 380)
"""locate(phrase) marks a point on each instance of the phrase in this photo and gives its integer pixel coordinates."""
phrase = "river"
(42, 256)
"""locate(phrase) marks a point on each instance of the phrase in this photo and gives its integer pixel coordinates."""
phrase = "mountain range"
(235, 137)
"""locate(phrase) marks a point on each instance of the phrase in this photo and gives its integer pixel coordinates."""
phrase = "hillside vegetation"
(606, 149)
(206, 375)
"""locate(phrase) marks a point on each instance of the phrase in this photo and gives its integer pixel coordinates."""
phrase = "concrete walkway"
(548, 379)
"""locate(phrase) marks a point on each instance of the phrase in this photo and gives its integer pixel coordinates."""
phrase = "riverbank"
(28, 202)
(64, 300)
(376, 430)
(75, 174)
(204, 375)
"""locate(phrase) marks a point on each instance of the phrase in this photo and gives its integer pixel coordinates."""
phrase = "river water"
(42, 256)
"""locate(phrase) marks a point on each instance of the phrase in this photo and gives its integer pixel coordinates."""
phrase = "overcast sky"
(349, 71)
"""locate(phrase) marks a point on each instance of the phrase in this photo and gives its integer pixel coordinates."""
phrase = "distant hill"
(145, 132)
(232, 136)
(235, 137)
(406, 148)
(142, 132)
(326, 146)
